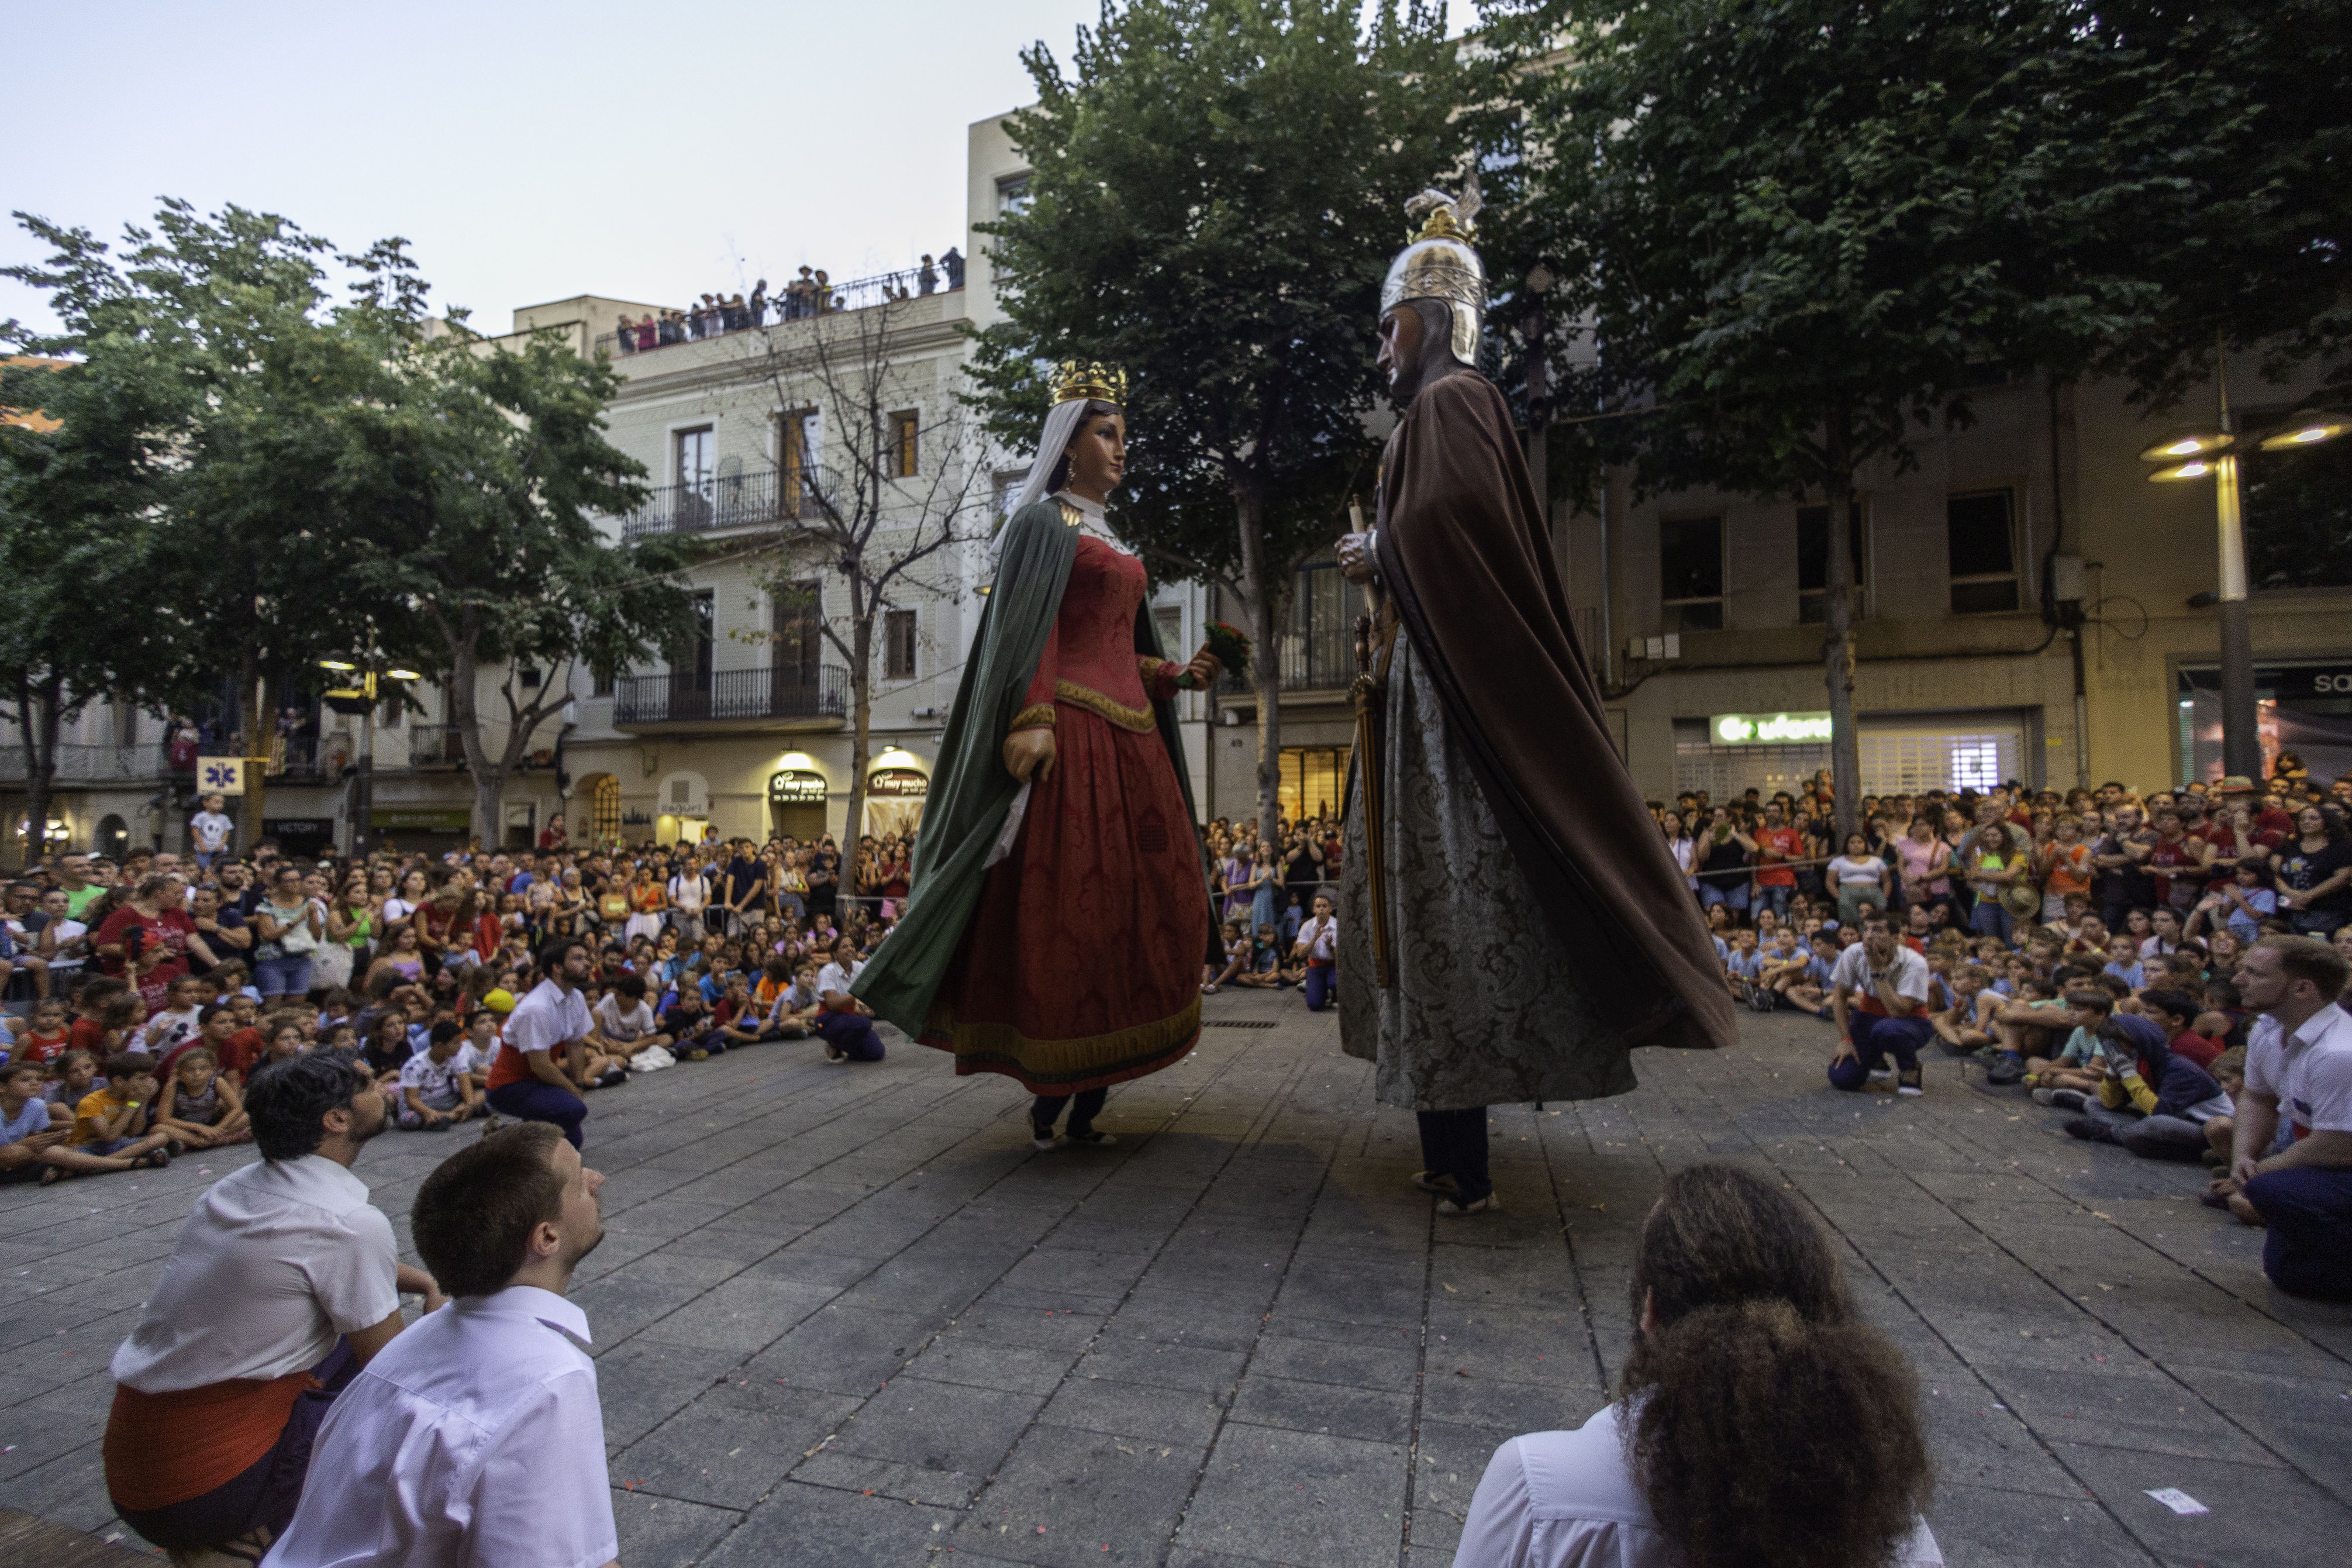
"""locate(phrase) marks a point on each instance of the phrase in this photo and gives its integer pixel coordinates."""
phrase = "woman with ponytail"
(1759, 1422)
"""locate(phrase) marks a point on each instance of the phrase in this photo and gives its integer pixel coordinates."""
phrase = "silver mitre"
(1440, 265)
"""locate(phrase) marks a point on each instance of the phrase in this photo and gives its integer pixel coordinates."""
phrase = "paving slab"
(848, 1315)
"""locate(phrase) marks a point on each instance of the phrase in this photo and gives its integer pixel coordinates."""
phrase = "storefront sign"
(1768, 729)
(905, 784)
(452, 819)
(797, 787)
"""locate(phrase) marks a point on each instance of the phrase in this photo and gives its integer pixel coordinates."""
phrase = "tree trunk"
(1265, 656)
(861, 745)
(38, 718)
(1837, 649)
(465, 712)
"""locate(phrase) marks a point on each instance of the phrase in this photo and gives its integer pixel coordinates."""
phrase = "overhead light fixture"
(2198, 469)
(404, 675)
(337, 663)
(2192, 443)
(2308, 430)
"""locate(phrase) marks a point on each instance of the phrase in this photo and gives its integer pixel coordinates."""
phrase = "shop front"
(796, 801)
(1726, 754)
(2302, 707)
(895, 793)
(429, 829)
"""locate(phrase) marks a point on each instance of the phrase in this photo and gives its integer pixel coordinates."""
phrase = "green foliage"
(1217, 190)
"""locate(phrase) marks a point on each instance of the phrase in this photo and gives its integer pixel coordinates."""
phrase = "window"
(1814, 562)
(905, 433)
(1690, 574)
(1319, 648)
(697, 660)
(898, 645)
(1313, 778)
(1171, 621)
(1011, 195)
(600, 683)
(799, 634)
(604, 809)
(1979, 532)
(697, 458)
(796, 458)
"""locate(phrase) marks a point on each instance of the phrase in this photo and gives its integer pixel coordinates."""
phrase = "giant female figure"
(1059, 913)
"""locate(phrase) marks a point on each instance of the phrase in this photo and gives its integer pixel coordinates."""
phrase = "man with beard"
(1518, 925)
(477, 1437)
(285, 1283)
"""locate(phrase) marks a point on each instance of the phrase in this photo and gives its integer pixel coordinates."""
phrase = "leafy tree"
(837, 384)
(471, 492)
(1216, 192)
(1802, 232)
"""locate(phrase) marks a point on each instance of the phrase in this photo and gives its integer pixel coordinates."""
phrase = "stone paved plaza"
(845, 1315)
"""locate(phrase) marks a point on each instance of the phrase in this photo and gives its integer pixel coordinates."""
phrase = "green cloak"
(971, 790)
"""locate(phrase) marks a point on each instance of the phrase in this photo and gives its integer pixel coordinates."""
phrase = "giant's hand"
(1204, 670)
(1028, 752)
(1356, 559)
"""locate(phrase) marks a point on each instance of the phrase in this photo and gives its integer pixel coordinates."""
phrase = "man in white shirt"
(1878, 994)
(526, 1080)
(476, 1438)
(284, 1278)
(688, 892)
(1318, 944)
(2298, 1063)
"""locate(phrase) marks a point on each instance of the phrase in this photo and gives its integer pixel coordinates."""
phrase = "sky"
(529, 152)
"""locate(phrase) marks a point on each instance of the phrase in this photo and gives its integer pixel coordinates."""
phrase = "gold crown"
(1092, 380)
(1443, 225)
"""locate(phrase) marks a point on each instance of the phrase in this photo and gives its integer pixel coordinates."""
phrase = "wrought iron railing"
(720, 500)
(684, 697)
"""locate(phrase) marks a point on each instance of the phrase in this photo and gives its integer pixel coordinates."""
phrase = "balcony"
(732, 698)
(81, 763)
(1325, 662)
(719, 501)
(435, 746)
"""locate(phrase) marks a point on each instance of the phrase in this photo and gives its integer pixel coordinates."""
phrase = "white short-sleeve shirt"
(278, 1261)
(2309, 1073)
(474, 1437)
(1906, 969)
(548, 1019)
(1551, 1499)
(436, 1083)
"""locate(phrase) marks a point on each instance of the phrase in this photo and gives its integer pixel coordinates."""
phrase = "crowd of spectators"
(142, 993)
(811, 294)
(1275, 905)
(2148, 966)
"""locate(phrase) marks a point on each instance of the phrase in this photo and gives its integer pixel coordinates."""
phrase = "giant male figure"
(1512, 924)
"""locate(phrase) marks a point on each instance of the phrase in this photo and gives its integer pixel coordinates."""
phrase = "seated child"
(111, 1128)
(26, 1126)
(199, 1107)
(44, 1036)
(436, 1092)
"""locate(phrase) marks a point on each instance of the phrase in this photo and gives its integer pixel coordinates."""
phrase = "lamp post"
(2194, 453)
(361, 699)
(1532, 326)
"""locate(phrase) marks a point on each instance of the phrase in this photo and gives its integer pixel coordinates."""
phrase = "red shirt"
(2197, 1048)
(34, 1046)
(170, 931)
(241, 1050)
(1775, 846)
(87, 1034)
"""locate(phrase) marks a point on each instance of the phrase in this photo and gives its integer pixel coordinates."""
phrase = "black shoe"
(2006, 1072)
(614, 1078)
(2088, 1131)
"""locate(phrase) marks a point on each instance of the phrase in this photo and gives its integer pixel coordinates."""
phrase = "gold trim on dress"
(1137, 720)
(1036, 716)
(1002, 1047)
(1071, 516)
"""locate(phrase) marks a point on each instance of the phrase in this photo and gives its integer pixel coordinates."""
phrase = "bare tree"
(881, 476)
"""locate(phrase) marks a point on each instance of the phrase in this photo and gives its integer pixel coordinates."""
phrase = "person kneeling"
(476, 1436)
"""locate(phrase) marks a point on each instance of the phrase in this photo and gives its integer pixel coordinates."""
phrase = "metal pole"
(2242, 743)
(363, 804)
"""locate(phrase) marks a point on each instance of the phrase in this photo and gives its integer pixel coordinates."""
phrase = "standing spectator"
(209, 829)
(2124, 881)
(1922, 857)
(1759, 1422)
(1994, 863)
(1681, 846)
(290, 926)
(1858, 879)
(552, 835)
(927, 277)
(953, 265)
(2298, 1061)
(1777, 844)
(147, 940)
(285, 1279)
(1723, 852)
(2062, 868)
(743, 888)
(525, 1081)
(477, 1437)
(2314, 873)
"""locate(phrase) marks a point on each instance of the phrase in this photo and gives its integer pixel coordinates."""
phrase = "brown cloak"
(1465, 555)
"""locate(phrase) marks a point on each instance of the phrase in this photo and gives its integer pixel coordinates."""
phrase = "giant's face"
(1401, 345)
(1098, 453)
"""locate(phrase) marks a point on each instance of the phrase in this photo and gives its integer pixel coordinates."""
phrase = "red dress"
(1081, 965)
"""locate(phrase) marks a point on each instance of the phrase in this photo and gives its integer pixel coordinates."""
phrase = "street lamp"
(2212, 452)
(361, 700)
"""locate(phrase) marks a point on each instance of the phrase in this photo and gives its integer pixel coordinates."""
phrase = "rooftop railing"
(700, 325)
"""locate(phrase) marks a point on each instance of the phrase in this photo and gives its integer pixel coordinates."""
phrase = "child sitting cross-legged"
(26, 1127)
(436, 1092)
(111, 1124)
(198, 1106)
